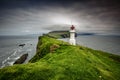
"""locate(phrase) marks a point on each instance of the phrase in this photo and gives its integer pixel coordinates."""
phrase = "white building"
(72, 40)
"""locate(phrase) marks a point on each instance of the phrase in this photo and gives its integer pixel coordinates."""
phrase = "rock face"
(21, 59)
(65, 35)
(22, 45)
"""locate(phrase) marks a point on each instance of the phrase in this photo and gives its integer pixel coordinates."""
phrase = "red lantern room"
(72, 27)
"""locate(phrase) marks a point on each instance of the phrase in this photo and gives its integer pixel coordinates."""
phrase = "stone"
(21, 59)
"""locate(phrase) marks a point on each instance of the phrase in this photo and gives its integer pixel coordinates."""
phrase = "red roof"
(72, 27)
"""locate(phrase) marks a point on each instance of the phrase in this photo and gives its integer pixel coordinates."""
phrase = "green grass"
(66, 62)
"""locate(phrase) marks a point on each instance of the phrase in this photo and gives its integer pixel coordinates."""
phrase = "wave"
(11, 59)
(15, 54)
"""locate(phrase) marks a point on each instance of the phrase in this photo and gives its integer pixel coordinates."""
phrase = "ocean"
(10, 50)
(104, 43)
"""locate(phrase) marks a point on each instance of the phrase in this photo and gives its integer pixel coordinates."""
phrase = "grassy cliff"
(58, 34)
(57, 60)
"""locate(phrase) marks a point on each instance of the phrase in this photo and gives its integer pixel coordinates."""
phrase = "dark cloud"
(65, 3)
(32, 16)
(31, 3)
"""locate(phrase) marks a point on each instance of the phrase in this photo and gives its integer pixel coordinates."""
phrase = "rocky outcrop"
(65, 35)
(21, 59)
(54, 47)
(22, 45)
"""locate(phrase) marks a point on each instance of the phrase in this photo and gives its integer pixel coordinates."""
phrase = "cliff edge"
(58, 60)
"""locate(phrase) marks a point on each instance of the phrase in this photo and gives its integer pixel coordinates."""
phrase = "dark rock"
(75, 34)
(65, 35)
(22, 45)
(21, 59)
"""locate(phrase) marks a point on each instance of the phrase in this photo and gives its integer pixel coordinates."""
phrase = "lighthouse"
(72, 40)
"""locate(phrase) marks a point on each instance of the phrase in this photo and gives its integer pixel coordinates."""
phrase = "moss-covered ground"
(57, 60)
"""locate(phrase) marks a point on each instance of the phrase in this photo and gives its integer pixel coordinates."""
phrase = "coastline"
(56, 59)
(11, 50)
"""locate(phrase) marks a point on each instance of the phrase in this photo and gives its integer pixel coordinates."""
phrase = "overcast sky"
(19, 17)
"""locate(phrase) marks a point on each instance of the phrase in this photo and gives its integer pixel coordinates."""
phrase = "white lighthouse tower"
(72, 40)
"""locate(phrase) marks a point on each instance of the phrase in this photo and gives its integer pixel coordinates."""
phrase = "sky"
(20, 17)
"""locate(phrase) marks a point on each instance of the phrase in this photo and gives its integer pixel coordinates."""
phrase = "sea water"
(109, 44)
(10, 50)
